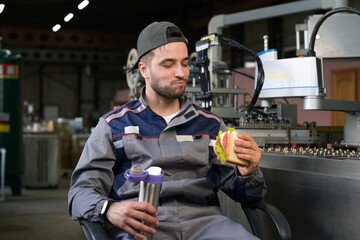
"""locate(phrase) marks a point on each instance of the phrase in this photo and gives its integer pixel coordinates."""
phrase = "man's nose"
(180, 71)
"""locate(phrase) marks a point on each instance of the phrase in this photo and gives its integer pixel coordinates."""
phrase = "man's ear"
(144, 70)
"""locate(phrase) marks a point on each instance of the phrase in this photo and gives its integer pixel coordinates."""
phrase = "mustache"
(180, 80)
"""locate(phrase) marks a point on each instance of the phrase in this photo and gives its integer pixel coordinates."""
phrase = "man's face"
(169, 70)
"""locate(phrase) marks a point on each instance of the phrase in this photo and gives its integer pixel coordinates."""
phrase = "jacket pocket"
(144, 152)
(195, 153)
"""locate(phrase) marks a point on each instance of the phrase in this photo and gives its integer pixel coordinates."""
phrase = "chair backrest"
(93, 231)
(248, 215)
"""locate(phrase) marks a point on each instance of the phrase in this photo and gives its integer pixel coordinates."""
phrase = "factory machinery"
(312, 172)
(211, 85)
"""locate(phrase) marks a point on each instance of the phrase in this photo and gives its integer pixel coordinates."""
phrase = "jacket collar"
(184, 100)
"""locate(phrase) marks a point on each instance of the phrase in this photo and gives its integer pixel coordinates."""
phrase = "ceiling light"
(56, 27)
(83, 4)
(68, 17)
(2, 6)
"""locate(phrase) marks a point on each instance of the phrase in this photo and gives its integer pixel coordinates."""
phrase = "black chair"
(253, 217)
(95, 231)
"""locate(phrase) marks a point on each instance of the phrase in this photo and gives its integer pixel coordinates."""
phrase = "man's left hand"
(247, 149)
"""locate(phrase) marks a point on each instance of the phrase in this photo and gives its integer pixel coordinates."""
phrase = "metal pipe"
(340, 3)
(266, 42)
(218, 22)
(3, 154)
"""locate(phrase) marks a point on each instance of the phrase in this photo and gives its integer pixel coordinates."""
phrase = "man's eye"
(167, 65)
(185, 63)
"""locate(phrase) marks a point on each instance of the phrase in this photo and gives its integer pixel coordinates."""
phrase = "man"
(163, 129)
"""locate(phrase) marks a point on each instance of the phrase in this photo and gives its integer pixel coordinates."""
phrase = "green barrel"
(11, 117)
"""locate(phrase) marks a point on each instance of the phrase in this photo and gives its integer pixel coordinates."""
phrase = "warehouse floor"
(38, 214)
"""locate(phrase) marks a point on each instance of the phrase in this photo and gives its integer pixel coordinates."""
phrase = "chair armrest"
(93, 230)
(276, 216)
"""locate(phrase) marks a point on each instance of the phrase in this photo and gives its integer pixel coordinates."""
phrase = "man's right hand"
(131, 216)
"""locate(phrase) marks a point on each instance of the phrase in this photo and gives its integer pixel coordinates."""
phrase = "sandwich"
(224, 148)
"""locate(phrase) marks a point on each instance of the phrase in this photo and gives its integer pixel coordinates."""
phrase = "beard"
(167, 91)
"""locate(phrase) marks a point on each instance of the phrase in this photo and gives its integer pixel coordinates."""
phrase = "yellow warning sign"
(4, 127)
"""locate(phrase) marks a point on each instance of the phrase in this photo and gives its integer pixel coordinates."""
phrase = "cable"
(311, 52)
(261, 75)
(232, 70)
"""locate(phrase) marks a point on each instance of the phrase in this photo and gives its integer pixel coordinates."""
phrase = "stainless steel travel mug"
(150, 185)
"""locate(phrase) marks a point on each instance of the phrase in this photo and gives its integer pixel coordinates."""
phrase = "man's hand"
(247, 149)
(131, 216)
